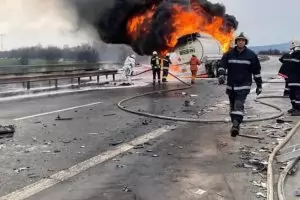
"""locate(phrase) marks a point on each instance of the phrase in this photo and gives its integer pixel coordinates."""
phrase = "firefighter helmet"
(154, 53)
(132, 56)
(241, 36)
(294, 43)
(168, 54)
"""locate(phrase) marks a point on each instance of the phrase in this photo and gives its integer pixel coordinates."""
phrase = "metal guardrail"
(52, 68)
(27, 79)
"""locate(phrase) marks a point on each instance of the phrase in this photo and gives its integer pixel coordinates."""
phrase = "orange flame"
(183, 22)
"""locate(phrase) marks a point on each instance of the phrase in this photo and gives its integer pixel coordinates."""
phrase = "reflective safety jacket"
(240, 66)
(284, 69)
(166, 63)
(291, 66)
(194, 62)
(155, 62)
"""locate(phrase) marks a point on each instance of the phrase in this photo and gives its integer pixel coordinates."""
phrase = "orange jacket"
(194, 62)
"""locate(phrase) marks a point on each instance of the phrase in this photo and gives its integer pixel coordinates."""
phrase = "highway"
(101, 152)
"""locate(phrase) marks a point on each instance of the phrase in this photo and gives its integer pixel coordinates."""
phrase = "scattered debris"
(259, 184)
(21, 169)
(46, 151)
(66, 141)
(116, 143)
(120, 166)
(193, 95)
(33, 175)
(251, 136)
(260, 165)
(7, 130)
(154, 155)
(82, 147)
(59, 118)
(282, 121)
(293, 170)
(34, 139)
(94, 133)
(188, 103)
(124, 84)
(297, 192)
(149, 150)
(200, 191)
(140, 146)
(260, 194)
(111, 114)
(273, 126)
(127, 189)
(145, 122)
(56, 151)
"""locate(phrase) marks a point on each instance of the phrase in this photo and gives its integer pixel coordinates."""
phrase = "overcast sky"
(40, 21)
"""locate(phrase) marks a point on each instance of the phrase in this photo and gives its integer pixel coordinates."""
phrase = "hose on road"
(282, 177)
(270, 183)
(147, 114)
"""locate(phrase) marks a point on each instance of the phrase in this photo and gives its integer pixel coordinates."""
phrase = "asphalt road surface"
(100, 152)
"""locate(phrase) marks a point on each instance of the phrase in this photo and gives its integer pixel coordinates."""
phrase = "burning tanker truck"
(179, 26)
(204, 46)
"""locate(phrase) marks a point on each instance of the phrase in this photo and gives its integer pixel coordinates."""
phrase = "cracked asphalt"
(189, 161)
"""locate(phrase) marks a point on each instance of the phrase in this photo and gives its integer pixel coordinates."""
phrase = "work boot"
(291, 110)
(296, 112)
(159, 82)
(235, 129)
(192, 82)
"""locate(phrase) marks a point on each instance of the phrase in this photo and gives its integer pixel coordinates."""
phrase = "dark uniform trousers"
(237, 97)
(295, 95)
(286, 88)
(165, 74)
(156, 71)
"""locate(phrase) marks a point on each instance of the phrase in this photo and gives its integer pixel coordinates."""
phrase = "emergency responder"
(241, 63)
(194, 62)
(166, 65)
(128, 68)
(156, 66)
(291, 68)
(283, 71)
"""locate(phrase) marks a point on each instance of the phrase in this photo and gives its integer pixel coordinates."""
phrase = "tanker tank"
(204, 46)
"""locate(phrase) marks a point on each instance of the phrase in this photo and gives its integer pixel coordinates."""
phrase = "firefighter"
(194, 62)
(283, 72)
(156, 66)
(291, 68)
(166, 65)
(241, 63)
(128, 68)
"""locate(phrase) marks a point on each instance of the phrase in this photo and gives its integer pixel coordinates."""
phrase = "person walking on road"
(241, 63)
(194, 62)
(156, 66)
(166, 65)
(290, 69)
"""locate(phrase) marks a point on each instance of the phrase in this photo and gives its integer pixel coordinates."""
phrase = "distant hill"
(280, 47)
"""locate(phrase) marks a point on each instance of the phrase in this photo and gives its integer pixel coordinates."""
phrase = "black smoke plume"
(110, 17)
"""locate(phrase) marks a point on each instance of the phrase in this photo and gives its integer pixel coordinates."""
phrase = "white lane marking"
(63, 175)
(56, 111)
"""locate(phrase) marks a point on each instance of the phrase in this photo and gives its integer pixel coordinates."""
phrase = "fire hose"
(270, 175)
